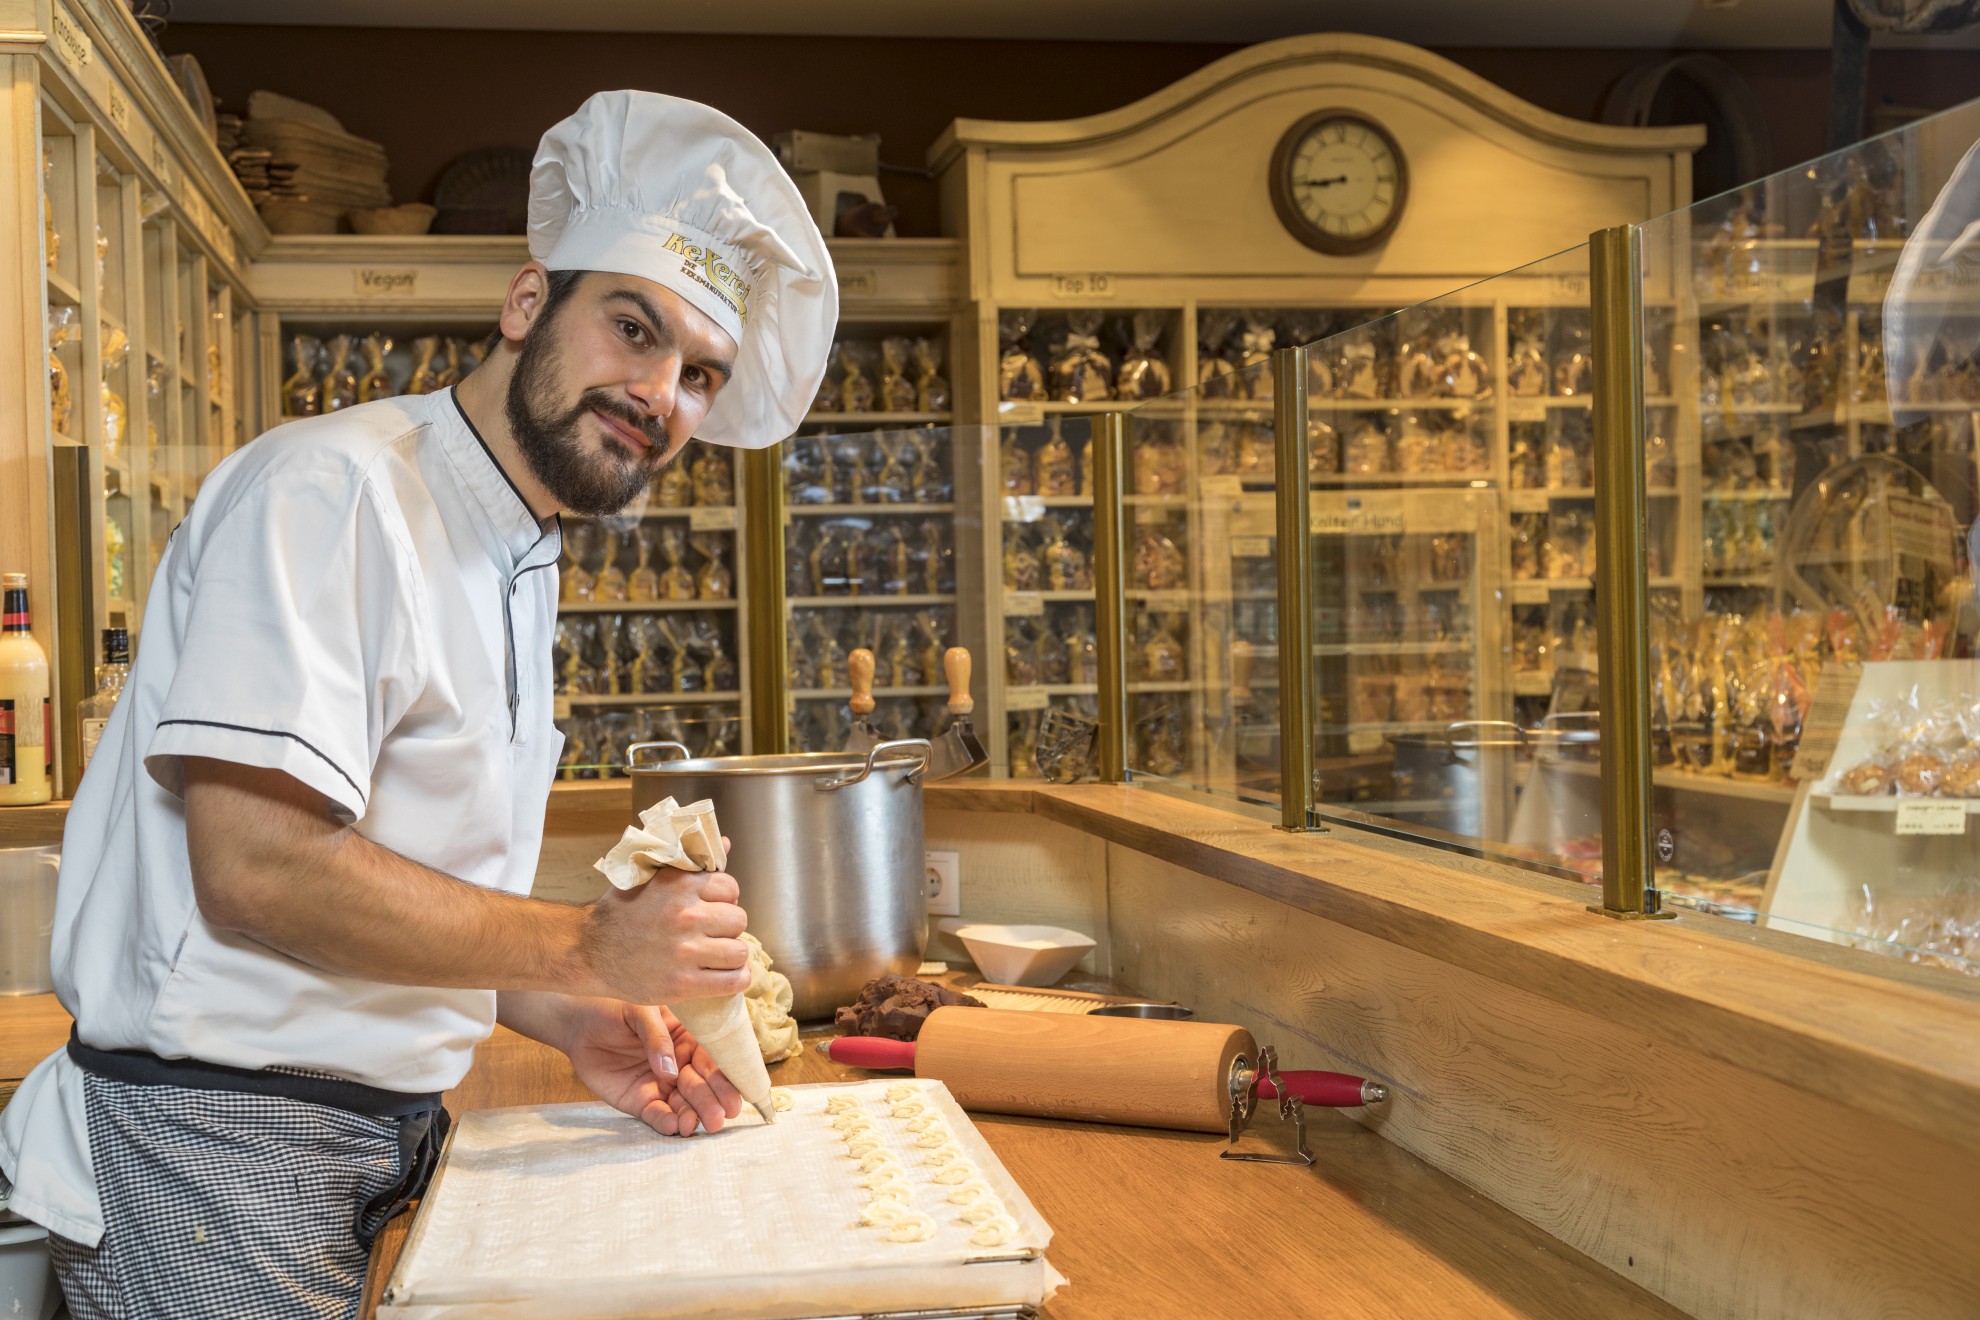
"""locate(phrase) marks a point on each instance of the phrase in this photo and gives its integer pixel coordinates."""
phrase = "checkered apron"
(229, 1192)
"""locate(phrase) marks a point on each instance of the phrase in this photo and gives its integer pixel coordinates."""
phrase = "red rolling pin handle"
(871, 1052)
(1329, 1090)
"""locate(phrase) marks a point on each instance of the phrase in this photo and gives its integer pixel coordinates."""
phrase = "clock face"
(1338, 182)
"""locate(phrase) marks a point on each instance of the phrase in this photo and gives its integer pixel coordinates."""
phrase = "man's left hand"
(643, 1062)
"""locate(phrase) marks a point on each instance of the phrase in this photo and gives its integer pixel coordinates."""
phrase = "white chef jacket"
(364, 602)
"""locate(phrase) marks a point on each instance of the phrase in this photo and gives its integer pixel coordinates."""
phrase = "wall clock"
(1339, 182)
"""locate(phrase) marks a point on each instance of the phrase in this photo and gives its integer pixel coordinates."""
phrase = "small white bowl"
(1023, 955)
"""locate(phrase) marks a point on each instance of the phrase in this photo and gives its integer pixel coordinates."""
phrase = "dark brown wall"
(430, 95)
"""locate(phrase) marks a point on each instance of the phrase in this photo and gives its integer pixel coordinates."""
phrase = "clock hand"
(1323, 183)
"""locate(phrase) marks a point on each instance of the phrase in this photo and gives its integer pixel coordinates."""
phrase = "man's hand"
(675, 937)
(643, 1062)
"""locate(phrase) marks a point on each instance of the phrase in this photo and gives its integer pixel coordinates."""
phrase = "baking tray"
(577, 1212)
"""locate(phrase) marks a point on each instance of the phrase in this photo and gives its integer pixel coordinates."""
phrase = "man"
(294, 889)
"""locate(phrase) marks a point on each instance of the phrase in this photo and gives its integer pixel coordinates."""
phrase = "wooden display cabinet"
(1108, 215)
(132, 362)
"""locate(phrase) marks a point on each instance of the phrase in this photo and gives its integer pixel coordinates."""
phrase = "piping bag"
(688, 839)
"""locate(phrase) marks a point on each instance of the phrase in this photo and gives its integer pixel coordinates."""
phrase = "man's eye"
(632, 330)
(694, 375)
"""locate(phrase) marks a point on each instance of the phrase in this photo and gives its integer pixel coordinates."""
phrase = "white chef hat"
(672, 191)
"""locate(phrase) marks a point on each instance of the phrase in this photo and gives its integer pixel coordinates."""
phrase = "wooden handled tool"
(955, 666)
(1103, 1070)
(958, 750)
(859, 671)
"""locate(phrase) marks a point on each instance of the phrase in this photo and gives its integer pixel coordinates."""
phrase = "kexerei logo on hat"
(705, 266)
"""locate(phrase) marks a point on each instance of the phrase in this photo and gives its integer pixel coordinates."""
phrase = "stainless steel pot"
(1463, 776)
(827, 847)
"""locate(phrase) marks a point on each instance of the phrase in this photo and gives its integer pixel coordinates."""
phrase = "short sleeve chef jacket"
(365, 603)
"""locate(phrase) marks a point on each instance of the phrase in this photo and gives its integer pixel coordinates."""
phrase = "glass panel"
(1816, 700)
(1451, 515)
(1046, 676)
(1055, 370)
(875, 553)
(1202, 619)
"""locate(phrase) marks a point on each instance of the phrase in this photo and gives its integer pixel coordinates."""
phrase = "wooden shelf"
(843, 694)
(1753, 496)
(1738, 580)
(864, 510)
(61, 293)
(582, 701)
(866, 419)
(1044, 502)
(640, 606)
(1686, 781)
(864, 602)
(1882, 805)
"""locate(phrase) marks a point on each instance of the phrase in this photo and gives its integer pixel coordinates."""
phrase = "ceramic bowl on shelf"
(1023, 955)
(411, 218)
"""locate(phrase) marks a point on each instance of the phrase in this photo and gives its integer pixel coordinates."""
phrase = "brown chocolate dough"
(895, 1007)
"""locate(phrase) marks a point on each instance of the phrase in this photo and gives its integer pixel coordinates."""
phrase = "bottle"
(93, 713)
(23, 701)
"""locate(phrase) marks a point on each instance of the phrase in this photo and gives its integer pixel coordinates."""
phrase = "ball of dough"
(911, 1228)
(769, 1000)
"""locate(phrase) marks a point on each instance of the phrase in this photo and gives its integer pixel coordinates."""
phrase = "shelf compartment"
(62, 293)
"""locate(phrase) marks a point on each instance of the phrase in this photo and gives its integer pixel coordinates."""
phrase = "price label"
(1222, 487)
(372, 282)
(120, 109)
(1026, 698)
(1251, 547)
(1931, 816)
(1526, 410)
(1021, 412)
(859, 283)
(1023, 508)
(1093, 284)
(560, 706)
(1023, 604)
(715, 518)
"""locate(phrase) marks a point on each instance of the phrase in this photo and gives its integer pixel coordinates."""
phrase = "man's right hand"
(675, 937)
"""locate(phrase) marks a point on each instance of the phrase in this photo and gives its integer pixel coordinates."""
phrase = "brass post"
(763, 600)
(73, 606)
(1622, 619)
(1295, 561)
(1107, 453)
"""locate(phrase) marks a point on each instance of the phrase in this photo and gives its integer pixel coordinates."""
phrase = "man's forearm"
(327, 896)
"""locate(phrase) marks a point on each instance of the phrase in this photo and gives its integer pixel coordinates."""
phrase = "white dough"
(911, 1228)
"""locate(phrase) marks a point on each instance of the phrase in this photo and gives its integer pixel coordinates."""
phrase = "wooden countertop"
(1368, 1231)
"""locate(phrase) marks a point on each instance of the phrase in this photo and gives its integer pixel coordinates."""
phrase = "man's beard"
(578, 475)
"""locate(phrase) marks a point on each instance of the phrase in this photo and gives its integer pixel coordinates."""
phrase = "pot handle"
(923, 748)
(632, 753)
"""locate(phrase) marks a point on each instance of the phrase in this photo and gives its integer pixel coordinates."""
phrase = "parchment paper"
(576, 1211)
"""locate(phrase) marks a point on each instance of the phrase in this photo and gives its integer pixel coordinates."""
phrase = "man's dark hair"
(560, 285)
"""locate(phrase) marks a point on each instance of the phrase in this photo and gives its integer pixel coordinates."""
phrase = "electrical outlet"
(944, 883)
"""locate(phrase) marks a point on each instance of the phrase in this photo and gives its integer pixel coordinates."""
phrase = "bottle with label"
(94, 712)
(23, 701)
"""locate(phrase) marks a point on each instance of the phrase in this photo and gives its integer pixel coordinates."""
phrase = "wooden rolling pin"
(1097, 1069)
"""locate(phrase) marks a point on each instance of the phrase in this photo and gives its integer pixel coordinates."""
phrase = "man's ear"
(529, 294)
